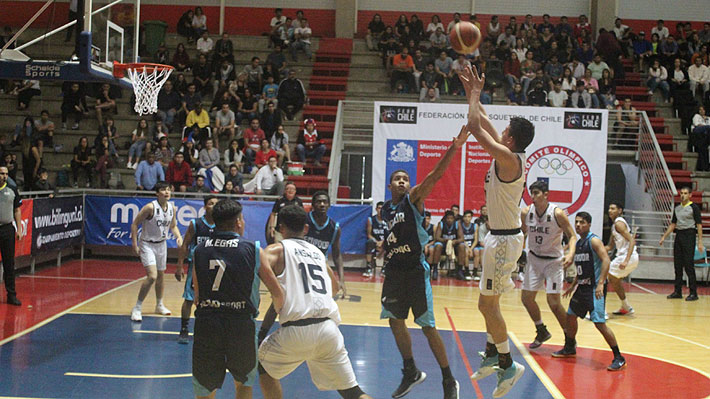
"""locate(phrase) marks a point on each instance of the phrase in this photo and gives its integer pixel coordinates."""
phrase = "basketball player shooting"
(503, 244)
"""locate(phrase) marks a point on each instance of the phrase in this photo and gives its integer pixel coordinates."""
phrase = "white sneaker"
(162, 310)
(129, 165)
(136, 314)
(507, 378)
(135, 166)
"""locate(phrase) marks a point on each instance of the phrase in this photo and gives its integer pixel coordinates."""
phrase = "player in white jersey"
(626, 259)
(503, 244)
(545, 225)
(309, 317)
(158, 220)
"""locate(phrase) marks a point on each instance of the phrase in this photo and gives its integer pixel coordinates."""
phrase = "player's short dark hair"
(293, 217)
(225, 213)
(290, 183)
(161, 185)
(687, 188)
(522, 131)
(584, 216)
(318, 194)
(455, 205)
(618, 204)
(468, 212)
(427, 213)
(539, 185)
(278, 10)
(398, 171)
(207, 198)
(380, 203)
(449, 213)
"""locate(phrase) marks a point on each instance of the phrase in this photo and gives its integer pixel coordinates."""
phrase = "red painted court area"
(56, 289)
(587, 376)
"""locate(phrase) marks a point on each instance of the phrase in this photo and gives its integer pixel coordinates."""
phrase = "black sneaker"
(692, 297)
(451, 389)
(617, 364)
(12, 300)
(460, 275)
(675, 295)
(184, 337)
(542, 335)
(409, 380)
(565, 352)
(435, 274)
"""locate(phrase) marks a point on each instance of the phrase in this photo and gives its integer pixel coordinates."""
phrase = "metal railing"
(335, 153)
(624, 130)
(653, 169)
(650, 227)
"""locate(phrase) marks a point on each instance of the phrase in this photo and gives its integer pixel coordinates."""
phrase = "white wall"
(684, 10)
(514, 7)
(310, 4)
(444, 6)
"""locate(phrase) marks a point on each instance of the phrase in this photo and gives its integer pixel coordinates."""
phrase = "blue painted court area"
(35, 365)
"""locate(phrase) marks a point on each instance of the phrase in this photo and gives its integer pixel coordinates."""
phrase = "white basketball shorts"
(500, 258)
(154, 253)
(541, 273)
(614, 269)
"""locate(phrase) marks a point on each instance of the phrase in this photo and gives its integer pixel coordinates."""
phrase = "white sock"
(625, 304)
(160, 302)
(503, 347)
(538, 323)
(489, 338)
(139, 304)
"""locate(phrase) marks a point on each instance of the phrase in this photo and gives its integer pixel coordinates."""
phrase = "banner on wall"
(108, 220)
(569, 152)
(24, 247)
(57, 223)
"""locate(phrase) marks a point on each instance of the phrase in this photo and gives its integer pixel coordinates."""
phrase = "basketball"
(465, 37)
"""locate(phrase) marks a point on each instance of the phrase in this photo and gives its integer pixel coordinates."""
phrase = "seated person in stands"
(159, 130)
(189, 100)
(291, 95)
(309, 144)
(269, 94)
(302, 40)
(42, 184)
(277, 60)
(139, 138)
(104, 102)
(265, 152)
(199, 22)
(179, 173)
(197, 124)
(516, 96)
(202, 75)
(184, 25)
(557, 97)
(82, 160)
(279, 143)
(429, 79)
(277, 22)
(430, 96)
(148, 173)
(74, 103)
(374, 32)
(108, 130)
(255, 75)
(181, 60)
(581, 97)
(270, 179)
(223, 50)
(700, 137)
(199, 186)
(233, 155)
(235, 178)
(252, 137)
(104, 161)
(29, 89)
(626, 126)
(224, 122)
(164, 153)
(444, 67)
(271, 119)
(45, 130)
(247, 108)
(222, 76)
(169, 102)
(402, 70)
(205, 44)
(191, 154)
(537, 96)
(438, 42)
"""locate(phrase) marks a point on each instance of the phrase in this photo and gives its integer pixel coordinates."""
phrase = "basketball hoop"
(147, 80)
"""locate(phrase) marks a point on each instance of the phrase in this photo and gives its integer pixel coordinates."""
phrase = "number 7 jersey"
(306, 282)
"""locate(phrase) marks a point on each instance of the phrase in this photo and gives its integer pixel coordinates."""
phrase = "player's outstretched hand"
(136, 250)
(343, 289)
(567, 260)
(569, 290)
(178, 273)
(460, 140)
(472, 82)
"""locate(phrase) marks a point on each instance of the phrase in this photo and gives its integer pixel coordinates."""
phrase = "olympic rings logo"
(555, 165)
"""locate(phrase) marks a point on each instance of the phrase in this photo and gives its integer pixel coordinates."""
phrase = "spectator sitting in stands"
(228, 188)
(184, 25)
(269, 180)
(540, 77)
(298, 22)
(180, 84)
(642, 50)
(657, 76)
(255, 74)
(223, 76)
(286, 33)
(199, 22)
(292, 95)
(592, 86)
(190, 100)
(430, 96)
(82, 160)
(162, 56)
(458, 67)
(270, 120)
(700, 138)
(29, 89)
(389, 50)
(265, 152)
(191, 154)
(582, 25)
(108, 130)
(278, 21)
(527, 70)
(511, 69)
(457, 19)
(554, 70)
(179, 173)
(202, 75)
(430, 79)
(164, 153)
(45, 132)
(578, 69)
(374, 32)
(607, 90)
(104, 102)
(516, 96)
(557, 97)
(10, 161)
(433, 25)
(401, 24)
(420, 63)
(302, 40)
(139, 138)
(402, 69)
(438, 42)
(236, 179)
(678, 78)
(269, 94)
(597, 66)
(158, 130)
(236, 88)
(181, 60)
(443, 66)
(564, 27)
(233, 155)
(493, 30)
(209, 162)
(309, 144)
(197, 124)
(199, 186)
(74, 103)
(223, 50)
(278, 63)
(581, 97)
(42, 184)
(104, 160)
(507, 37)
(537, 96)
(279, 143)
(169, 102)
(224, 122)
(699, 75)
(585, 54)
(252, 138)
(247, 108)
(513, 25)
(569, 83)
(668, 50)
(625, 127)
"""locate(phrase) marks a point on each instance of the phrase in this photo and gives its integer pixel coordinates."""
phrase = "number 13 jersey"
(306, 282)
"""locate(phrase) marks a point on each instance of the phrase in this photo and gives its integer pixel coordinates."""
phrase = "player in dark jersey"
(199, 230)
(469, 234)
(407, 285)
(429, 246)
(447, 234)
(592, 263)
(226, 274)
(376, 228)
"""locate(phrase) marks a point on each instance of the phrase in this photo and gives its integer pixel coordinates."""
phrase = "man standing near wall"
(9, 210)
(686, 222)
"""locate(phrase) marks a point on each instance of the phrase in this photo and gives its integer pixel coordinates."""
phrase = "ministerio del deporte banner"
(568, 152)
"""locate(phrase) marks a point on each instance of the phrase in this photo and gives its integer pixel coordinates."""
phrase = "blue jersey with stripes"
(406, 236)
(202, 231)
(448, 232)
(322, 236)
(589, 266)
(469, 232)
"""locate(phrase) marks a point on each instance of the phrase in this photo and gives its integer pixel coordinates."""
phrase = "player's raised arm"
(183, 250)
(568, 231)
(140, 218)
(266, 274)
(423, 189)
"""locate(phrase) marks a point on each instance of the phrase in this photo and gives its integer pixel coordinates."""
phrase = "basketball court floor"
(73, 338)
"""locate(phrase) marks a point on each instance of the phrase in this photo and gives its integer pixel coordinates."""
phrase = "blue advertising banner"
(108, 220)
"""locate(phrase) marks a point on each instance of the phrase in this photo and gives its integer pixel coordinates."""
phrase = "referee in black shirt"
(686, 222)
(289, 198)
(9, 211)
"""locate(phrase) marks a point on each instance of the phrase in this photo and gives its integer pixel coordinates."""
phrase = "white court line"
(77, 278)
(157, 332)
(536, 368)
(62, 313)
(660, 333)
(127, 376)
(19, 397)
(644, 288)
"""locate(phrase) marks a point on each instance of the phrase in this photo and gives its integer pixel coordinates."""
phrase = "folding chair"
(701, 261)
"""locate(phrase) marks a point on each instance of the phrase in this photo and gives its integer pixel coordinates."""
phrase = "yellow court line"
(157, 332)
(544, 378)
(127, 376)
(62, 313)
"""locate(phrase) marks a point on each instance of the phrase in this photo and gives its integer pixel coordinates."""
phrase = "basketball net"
(147, 82)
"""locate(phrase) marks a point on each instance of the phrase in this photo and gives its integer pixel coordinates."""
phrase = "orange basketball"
(465, 37)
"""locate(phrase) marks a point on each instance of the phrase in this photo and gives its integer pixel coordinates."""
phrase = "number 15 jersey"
(306, 282)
